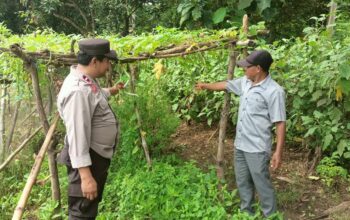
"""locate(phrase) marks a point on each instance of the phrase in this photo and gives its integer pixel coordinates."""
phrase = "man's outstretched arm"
(218, 86)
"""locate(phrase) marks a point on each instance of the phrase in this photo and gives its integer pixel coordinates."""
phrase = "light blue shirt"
(261, 105)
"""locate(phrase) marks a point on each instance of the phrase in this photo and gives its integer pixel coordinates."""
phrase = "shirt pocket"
(256, 103)
(102, 108)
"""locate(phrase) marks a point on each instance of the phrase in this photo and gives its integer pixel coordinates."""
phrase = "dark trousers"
(78, 206)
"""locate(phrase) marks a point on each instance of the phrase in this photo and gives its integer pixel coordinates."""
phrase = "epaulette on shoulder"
(90, 83)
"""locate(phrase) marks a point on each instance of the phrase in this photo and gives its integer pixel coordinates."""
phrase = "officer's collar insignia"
(92, 85)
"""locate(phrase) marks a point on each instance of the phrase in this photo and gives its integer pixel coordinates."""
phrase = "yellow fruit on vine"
(159, 69)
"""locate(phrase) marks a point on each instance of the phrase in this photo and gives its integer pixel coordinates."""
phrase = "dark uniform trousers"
(78, 206)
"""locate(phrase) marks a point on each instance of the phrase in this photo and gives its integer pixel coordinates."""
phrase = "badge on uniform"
(90, 83)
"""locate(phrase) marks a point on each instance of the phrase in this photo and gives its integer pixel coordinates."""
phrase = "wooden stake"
(224, 117)
(13, 125)
(14, 153)
(133, 72)
(331, 19)
(34, 172)
(31, 68)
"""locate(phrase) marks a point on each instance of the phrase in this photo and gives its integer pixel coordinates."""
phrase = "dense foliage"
(135, 17)
(314, 70)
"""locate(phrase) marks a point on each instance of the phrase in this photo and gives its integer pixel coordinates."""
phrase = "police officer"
(91, 127)
(262, 106)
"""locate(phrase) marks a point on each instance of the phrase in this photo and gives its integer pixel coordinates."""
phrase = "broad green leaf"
(219, 15)
(184, 18)
(321, 102)
(311, 131)
(196, 13)
(318, 114)
(341, 146)
(316, 95)
(347, 105)
(263, 4)
(345, 86)
(242, 4)
(327, 140)
(346, 155)
(344, 71)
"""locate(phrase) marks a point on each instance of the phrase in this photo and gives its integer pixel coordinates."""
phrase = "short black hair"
(85, 59)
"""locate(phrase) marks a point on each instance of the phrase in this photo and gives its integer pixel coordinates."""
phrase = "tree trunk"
(13, 125)
(2, 121)
(223, 119)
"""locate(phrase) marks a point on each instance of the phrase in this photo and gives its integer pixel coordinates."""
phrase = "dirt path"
(298, 196)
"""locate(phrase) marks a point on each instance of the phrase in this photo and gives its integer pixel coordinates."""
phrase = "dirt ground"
(299, 197)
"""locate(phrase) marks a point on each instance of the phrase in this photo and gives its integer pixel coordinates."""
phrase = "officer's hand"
(276, 160)
(115, 89)
(89, 188)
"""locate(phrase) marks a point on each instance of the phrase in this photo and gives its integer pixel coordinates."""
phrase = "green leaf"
(316, 95)
(196, 13)
(242, 4)
(263, 4)
(346, 155)
(327, 140)
(318, 114)
(345, 86)
(175, 106)
(184, 18)
(135, 150)
(344, 71)
(219, 15)
(341, 146)
(322, 102)
(347, 105)
(311, 131)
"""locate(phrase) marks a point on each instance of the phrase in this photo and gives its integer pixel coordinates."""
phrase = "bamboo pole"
(133, 72)
(34, 172)
(24, 143)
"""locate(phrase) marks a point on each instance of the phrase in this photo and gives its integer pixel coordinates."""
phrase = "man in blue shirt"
(262, 105)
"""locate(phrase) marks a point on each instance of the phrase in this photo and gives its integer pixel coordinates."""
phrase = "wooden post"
(2, 121)
(133, 73)
(30, 66)
(34, 172)
(331, 19)
(224, 117)
(13, 125)
(245, 31)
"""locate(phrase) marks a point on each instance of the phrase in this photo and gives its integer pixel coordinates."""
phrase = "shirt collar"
(82, 76)
(264, 83)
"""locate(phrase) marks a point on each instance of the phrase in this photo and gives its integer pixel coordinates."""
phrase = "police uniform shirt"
(261, 105)
(89, 121)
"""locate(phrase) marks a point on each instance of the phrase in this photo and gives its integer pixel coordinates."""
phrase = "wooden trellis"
(29, 62)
